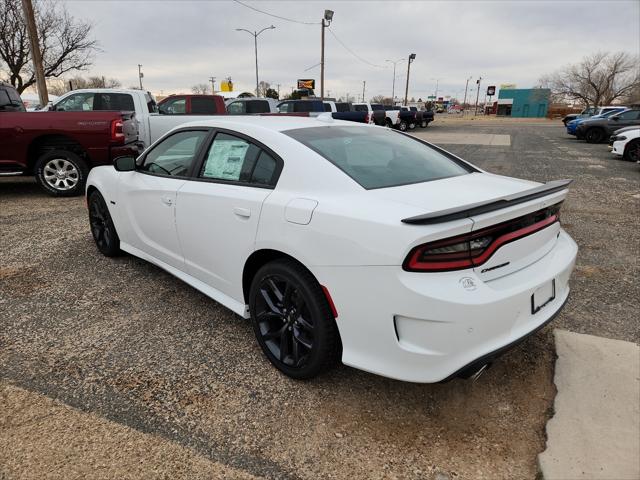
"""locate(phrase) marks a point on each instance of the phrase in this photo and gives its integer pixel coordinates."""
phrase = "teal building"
(523, 102)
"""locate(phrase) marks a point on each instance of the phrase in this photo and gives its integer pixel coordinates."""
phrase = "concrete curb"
(595, 432)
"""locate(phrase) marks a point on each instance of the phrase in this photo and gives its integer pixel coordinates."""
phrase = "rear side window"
(378, 158)
(203, 105)
(236, 108)
(376, 107)
(113, 101)
(235, 159)
(327, 107)
(360, 108)
(258, 106)
(343, 107)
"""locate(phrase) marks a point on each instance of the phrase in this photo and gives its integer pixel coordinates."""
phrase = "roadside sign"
(306, 84)
(491, 90)
(431, 97)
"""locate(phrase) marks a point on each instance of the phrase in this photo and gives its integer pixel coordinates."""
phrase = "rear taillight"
(475, 248)
(117, 131)
(367, 118)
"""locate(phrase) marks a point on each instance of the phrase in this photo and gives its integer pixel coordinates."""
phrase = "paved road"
(122, 340)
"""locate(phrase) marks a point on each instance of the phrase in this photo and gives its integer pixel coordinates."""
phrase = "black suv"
(10, 100)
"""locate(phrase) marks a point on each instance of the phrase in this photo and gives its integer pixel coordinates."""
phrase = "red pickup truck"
(192, 105)
(59, 148)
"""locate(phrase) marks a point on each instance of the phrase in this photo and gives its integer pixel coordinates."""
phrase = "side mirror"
(125, 163)
(615, 119)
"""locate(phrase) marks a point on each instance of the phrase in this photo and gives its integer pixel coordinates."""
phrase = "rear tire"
(61, 173)
(388, 123)
(632, 151)
(292, 320)
(102, 227)
(594, 135)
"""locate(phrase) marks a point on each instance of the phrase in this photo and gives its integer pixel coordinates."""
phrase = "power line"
(274, 16)
(352, 52)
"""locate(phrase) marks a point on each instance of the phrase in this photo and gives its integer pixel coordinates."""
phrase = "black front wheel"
(632, 151)
(402, 126)
(102, 227)
(594, 135)
(292, 320)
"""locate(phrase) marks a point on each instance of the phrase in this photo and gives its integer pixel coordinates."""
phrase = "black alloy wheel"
(594, 135)
(292, 320)
(632, 151)
(102, 228)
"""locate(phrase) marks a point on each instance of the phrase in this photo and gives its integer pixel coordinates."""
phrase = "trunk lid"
(537, 231)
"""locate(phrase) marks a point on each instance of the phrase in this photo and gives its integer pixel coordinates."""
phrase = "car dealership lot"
(126, 341)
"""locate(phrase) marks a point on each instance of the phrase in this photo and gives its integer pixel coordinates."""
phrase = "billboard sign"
(507, 86)
(306, 84)
(226, 86)
(491, 90)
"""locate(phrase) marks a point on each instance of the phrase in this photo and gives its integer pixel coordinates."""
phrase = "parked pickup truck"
(251, 105)
(407, 118)
(59, 148)
(192, 105)
(376, 112)
(151, 124)
(339, 110)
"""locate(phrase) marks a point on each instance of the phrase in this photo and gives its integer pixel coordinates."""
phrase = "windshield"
(378, 157)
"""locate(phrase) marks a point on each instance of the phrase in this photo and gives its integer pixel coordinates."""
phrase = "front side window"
(235, 108)
(285, 107)
(174, 155)
(628, 115)
(79, 102)
(234, 159)
(258, 106)
(327, 107)
(360, 108)
(176, 106)
(378, 158)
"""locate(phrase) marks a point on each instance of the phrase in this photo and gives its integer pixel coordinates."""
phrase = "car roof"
(273, 123)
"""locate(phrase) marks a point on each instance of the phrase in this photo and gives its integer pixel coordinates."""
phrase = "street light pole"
(140, 75)
(393, 88)
(213, 84)
(255, 44)
(364, 83)
(477, 95)
(412, 57)
(328, 16)
(465, 95)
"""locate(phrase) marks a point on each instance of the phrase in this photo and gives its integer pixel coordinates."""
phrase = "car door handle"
(242, 212)
(167, 200)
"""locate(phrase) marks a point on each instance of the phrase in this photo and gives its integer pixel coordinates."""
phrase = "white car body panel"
(413, 326)
(620, 145)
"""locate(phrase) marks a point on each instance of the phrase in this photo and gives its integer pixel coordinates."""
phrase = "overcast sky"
(182, 43)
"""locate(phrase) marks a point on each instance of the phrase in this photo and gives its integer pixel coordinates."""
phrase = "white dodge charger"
(343, 242)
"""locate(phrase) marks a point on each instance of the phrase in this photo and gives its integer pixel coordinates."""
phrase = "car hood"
(626, 129)
(453, 192)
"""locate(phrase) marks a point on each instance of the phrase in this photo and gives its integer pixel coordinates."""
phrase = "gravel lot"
(125, 341)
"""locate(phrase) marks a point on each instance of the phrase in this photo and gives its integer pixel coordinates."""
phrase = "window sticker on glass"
(225, 159)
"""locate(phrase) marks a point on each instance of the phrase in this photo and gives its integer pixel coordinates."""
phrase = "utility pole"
(255, 44)
(41, 83)
(213, 84)
(465, 95)
(140, 75)
(412, 57)
(477, 95)
(364, 84)
(278, 85)
(393, 87)
(328, 16)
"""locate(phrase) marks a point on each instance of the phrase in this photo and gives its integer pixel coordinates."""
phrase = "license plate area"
(542, 296)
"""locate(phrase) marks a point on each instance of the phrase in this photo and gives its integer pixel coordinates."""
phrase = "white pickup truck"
(151, 124)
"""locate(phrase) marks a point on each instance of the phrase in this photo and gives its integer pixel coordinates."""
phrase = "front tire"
(402, 126)
(292, 320)
(632, 151)
(61, 173)
(102, 227)
(424, 124)
(594, 135)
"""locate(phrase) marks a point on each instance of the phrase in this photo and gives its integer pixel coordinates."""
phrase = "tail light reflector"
(117, 131)
(475, 248)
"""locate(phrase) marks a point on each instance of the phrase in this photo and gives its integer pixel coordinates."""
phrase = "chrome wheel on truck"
(61, 173)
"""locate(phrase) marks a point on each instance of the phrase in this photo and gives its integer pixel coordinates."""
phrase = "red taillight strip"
(414, 264)
(510, 237)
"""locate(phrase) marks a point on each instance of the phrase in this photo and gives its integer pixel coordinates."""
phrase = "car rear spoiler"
(488, 206)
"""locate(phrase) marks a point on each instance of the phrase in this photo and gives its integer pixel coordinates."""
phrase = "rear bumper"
(134, 148)
(424, 327)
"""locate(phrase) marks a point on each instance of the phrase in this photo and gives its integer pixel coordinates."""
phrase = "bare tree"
(262, 88)
(65, 42)
(598, 79)
(201, 89)
(77, 82)
(377, 99)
